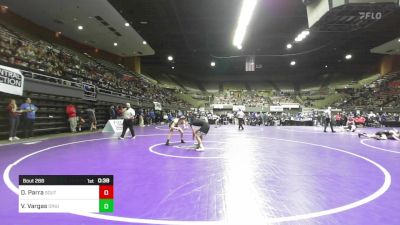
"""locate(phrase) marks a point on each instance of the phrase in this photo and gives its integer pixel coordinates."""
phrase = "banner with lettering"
(276, 108)
(114, 126)
(236, 108)
(11, 80)
(218, 106)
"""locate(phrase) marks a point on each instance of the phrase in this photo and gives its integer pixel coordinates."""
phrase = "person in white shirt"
(240, 116)
(217, 120)
(129, 116)
(328, 119)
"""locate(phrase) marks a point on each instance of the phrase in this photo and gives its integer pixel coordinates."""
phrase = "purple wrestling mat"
(262, 175)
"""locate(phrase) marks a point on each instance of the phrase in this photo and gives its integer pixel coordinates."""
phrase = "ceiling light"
(143, 22)
(292, 63)
(246, 13)
(348, 56)
(212, 63)
(305, 33)
(302, 35)
(289, 46)
(144, 42)
(127, 24)
(115, 44)
(170, 58)
(80, 27)
(298, 39)
(239, 47)
(173, 67)
(398, 40)
(326, 66)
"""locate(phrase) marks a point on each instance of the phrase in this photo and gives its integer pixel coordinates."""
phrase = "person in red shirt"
(72, 119)
(338, 119)
(119, 112)
(13, 116)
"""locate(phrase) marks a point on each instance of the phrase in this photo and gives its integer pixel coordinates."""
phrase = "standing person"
(338, 119)
(152, 117)
(119, 112)
(141, 119)
(344, 119)
(112, 113)
(129, 116)
(216, 120)
(174, 125)
(328, 119)
(240, 116)
(200, 133)
(30, 117)
(72, 119)
(92, 118)
(13, 116)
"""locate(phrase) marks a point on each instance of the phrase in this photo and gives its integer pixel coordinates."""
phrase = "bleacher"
(57, 65)
(211, 87)
(374, 94)
(285, 87)
(235, 97)
(51, 116)
(232, 85)
(261, 86)
(52, 60)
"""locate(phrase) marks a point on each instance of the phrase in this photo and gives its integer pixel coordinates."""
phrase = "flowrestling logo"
(370, 15)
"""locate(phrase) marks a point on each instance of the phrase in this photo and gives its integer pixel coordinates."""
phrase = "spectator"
(338, 119)
(13, 116)
(72, 119)
(119, 112)
(92, 118)
(80, 122)
(141, 119)
(30, 117)
(152, 117)
(112, 113)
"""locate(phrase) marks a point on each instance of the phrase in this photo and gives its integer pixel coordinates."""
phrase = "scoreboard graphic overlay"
(66, 193)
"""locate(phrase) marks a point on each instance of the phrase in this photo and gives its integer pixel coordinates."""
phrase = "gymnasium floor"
(262, 175)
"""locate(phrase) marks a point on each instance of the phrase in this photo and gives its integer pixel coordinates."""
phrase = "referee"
(129, 115)
(328, 119)
(240, 116)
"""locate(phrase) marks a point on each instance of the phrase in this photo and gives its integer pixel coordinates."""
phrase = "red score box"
(106, 191)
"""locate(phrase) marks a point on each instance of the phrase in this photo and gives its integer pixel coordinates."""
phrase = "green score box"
(106, 205)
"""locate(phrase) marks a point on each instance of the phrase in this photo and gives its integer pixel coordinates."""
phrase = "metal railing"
(69, 83)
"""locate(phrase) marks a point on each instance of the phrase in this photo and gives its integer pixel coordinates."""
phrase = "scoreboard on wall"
(66, 193)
